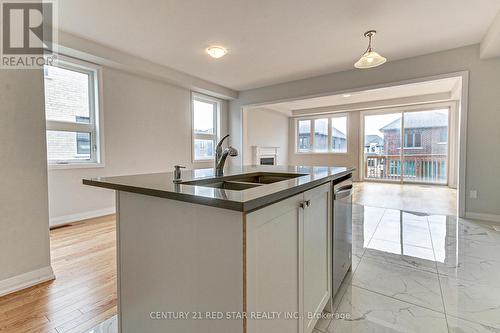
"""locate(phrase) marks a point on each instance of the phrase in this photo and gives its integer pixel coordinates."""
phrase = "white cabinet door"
(316, 259)
(288, 262)
(272, 266)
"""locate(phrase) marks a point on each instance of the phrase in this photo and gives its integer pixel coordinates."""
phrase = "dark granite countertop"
(161, 185)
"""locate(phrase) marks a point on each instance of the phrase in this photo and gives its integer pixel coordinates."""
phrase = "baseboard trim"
(62, 220)
(483, 217)
(26, 280)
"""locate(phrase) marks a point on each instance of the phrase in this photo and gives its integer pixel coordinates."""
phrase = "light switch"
(473, 194)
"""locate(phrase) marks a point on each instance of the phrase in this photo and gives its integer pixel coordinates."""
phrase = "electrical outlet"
(473, 194)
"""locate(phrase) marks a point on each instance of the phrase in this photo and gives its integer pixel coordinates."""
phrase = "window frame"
(297, 136)
(94, 127)
(312, 119)
(203, 136)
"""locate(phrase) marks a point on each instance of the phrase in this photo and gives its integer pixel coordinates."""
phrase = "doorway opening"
(403, 137)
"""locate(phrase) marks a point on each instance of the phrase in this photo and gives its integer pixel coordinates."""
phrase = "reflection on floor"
(414, 272)
(416, 198)
(419, 273)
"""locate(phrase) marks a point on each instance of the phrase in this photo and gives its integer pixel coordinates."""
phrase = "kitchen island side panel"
(176, 257)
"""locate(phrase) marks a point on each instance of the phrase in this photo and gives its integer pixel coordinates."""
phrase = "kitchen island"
(246, 252)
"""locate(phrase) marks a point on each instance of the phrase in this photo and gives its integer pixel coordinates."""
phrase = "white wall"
(349, 159)
(147, 128)
(24, 236)
(269, 128)
(483, 136)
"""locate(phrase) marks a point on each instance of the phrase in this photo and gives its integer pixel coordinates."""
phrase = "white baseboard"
(61, 220)
(26, 280)
(483, 217)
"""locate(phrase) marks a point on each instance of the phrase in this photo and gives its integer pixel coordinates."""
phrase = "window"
(443, 135)
(339, 134)
(71, 113)
(304, 135)
(413, 139)
(322, 135)
(205, 126)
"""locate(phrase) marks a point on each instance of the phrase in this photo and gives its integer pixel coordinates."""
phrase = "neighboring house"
(374, 145)
(424, 133)
(66, 100)
(339, 140)
(425, 149)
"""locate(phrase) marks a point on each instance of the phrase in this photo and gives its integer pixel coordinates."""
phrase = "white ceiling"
(273, 41)
(381, 94)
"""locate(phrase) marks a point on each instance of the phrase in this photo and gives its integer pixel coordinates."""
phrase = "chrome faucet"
(177, 173)
(221, 155)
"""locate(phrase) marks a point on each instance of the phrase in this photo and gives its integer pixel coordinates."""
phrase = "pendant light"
(370, 58)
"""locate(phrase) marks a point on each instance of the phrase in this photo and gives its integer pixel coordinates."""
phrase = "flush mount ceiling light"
(370, 58)
(216, 51)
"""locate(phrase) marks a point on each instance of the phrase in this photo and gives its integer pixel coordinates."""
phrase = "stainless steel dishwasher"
(341, 232)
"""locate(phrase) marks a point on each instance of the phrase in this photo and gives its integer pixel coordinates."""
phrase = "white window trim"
(194, 135)
(96, 119)
(328, 116)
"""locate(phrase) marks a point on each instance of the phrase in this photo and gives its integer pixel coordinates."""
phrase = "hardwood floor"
(84, 292)
(428, 199)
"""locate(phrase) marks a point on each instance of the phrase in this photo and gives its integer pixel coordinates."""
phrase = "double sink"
(243, 182)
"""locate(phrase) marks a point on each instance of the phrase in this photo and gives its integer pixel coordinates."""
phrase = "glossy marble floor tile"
(406, 284)
(409, 197)
(415, 257)
(457, 325)
(366, 311)
(414, 272)
(477, 270)
(472, 301)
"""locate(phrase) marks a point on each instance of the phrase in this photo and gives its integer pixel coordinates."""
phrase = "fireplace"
(267, 161)
(265, 155)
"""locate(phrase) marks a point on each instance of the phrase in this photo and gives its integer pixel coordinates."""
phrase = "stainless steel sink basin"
(229, 185)
(243, 182)
(265, 178)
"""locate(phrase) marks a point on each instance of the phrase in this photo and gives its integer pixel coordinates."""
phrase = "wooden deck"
(84, 292)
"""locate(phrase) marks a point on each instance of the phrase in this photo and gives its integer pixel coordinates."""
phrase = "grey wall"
(147, 128)
(24, 227)
(483, 135)
(264, 127)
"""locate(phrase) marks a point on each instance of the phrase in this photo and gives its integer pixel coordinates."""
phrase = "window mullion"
(312, 134)
(203, 136)
(330, 133)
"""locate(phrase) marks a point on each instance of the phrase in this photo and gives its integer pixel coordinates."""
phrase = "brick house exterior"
(424, 134)
(67, 100)
(425, 149)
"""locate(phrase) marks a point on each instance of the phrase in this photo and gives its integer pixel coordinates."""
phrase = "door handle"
(305, 204)
(342, 194)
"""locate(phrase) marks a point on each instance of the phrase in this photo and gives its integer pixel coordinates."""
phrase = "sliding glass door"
(425, 154)
(407, 146)
(381, 149)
